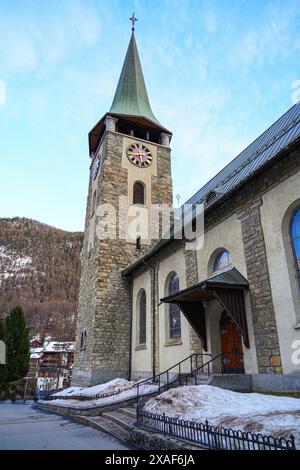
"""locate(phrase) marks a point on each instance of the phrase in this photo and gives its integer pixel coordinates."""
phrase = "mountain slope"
(40, 270)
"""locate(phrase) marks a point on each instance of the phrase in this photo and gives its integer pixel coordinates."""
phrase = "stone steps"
(120, 418)
(128, 411)
(117, 423)
(199, 382)
(106, 425)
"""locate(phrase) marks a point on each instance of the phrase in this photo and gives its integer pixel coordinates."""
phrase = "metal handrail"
(156, 379)
(194, 373)
(178, 364)
(150, 380)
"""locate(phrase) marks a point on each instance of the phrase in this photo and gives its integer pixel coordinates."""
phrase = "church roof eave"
(96, 132)
(142, 119)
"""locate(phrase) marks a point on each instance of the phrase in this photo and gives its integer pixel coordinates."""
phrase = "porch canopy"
(228, 288)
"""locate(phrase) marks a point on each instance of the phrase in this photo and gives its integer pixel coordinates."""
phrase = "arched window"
(295, 237)
(142, 318)
(138, 193)
(174, 310)
(222, 261)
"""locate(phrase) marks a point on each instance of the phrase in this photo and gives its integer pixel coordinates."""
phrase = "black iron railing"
(211, 437)
(191, 362)
(192, 377)
(175, 375)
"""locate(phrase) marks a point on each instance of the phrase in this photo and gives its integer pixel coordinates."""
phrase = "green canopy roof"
(131, 98)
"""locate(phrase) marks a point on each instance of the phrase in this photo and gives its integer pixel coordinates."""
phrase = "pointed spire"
(131, 97)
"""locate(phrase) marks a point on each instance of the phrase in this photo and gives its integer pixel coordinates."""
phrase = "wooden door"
(231, 343)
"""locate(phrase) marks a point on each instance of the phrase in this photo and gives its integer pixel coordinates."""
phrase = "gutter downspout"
(153, 291)
(130, 328)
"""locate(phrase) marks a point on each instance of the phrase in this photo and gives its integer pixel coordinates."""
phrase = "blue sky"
(218, 73)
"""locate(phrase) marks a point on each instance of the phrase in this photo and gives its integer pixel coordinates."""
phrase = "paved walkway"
(25, 427)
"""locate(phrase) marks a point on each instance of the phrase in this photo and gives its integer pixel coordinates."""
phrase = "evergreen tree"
(17, 345)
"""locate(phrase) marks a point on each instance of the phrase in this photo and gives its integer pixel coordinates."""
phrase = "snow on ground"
(127, 391)
(16, 263)
(258, 413)
(12, 265)
(68, 391)
(107, 387)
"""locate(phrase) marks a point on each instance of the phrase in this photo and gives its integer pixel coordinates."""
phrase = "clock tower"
(130, 174)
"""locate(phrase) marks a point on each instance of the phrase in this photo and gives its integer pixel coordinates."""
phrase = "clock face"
(96, 166)
(139, 155)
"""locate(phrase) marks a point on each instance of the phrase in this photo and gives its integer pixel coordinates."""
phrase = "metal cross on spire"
(133, 19)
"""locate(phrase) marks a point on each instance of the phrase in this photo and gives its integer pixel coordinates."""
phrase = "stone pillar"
(110, 123)
(264, 321)
(191, 270)
(165, 139)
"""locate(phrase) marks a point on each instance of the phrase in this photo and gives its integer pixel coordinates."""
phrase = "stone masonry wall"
(191, 279)
(264, 322)
(104, 295)
(86, 304)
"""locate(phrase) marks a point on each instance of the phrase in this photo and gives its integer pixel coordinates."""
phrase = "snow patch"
(126, 387)
(11, 263)
(58, 346)
(254, 412)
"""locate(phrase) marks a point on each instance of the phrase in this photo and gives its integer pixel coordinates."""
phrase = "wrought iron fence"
(211, 437)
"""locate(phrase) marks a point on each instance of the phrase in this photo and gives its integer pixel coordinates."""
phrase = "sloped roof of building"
(278, 138)
(232, 278)
(35, 353)
(58, 346)
(280, 135)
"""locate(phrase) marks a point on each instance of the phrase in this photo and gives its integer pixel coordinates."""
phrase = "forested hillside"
(40, 270)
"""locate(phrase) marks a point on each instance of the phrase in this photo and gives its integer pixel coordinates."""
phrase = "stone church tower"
(130, 162)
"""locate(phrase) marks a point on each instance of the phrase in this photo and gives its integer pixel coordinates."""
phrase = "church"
(147, 304)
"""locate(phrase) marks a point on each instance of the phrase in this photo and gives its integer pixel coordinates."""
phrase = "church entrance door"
(231, 343)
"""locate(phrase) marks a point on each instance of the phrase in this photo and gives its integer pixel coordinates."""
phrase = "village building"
(51, 363)
(147, 304)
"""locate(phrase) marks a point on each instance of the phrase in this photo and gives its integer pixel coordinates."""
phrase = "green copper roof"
(131, 96)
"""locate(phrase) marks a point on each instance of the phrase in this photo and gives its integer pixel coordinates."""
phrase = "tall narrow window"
(138, 193)
(81, 340)
(174, 310)
(94, 199)
(142, 318)
(295, 236)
